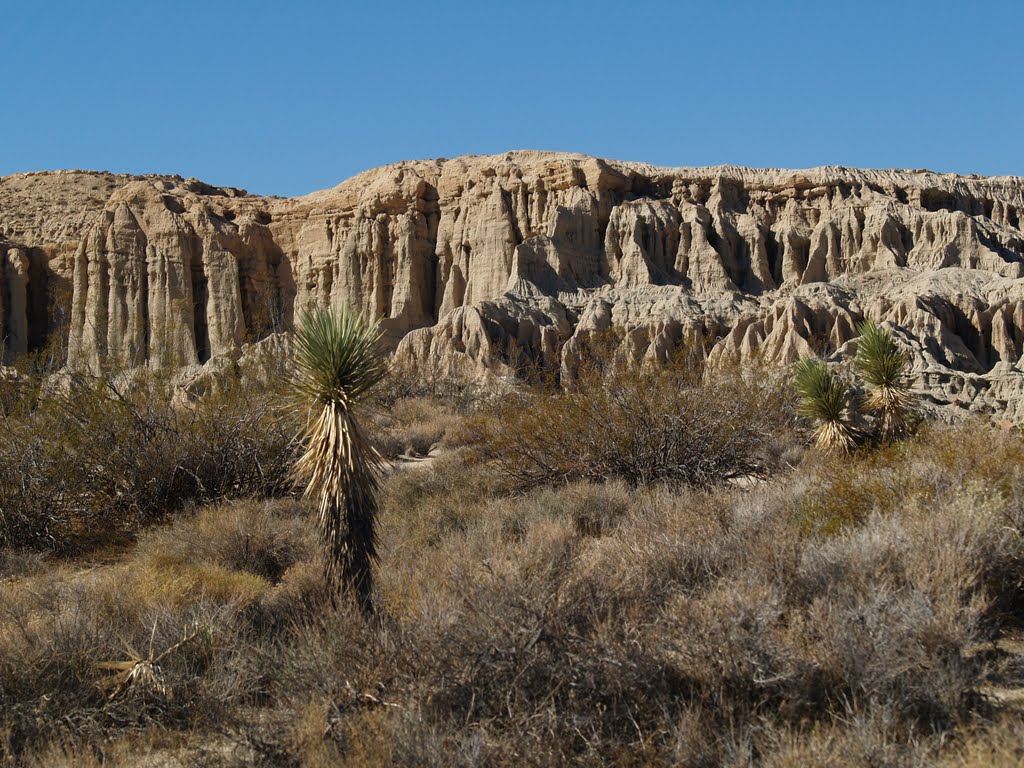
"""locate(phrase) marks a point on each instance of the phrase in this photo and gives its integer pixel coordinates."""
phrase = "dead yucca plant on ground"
(824, 398)
(142, 675)
(884, 369)
(338, 359)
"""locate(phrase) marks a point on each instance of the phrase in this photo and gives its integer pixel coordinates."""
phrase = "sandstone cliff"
(477, 263)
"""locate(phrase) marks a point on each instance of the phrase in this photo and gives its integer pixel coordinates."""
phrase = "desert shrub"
(701, 627)
(206, 597)
(860, 740)
(411, 426)
(17, 392)
(593, 509)
(850, 489)
(16, 563)
(670, 425)
(58, 631)
(252, 537)
(584, 623)
(94, 456)
(435, 382)
(946, 457)
(996, 745)
(937, 461)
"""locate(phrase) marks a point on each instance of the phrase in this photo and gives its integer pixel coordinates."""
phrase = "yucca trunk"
(342, 471)
(835, 436)
(891, 405)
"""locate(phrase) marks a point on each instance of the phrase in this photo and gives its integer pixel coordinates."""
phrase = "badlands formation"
(478, 263)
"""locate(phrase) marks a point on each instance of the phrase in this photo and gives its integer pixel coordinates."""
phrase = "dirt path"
(1004, 683)
(414, 463)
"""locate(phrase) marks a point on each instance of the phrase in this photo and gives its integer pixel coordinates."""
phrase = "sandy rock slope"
(477, 264)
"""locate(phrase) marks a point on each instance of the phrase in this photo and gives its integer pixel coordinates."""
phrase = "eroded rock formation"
(476, 264)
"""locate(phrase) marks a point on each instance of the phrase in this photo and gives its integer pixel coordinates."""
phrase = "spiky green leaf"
(880, 362)
(338, 356)
(824, 397)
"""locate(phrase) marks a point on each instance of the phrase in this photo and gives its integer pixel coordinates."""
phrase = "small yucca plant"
(823, 397)
(338, 359)
(884, 369)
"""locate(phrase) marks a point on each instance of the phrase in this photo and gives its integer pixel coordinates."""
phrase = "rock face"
(476, 264)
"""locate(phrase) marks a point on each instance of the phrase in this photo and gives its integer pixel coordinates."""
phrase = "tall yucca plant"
(884, 369)
(338, 359)
(823, 397)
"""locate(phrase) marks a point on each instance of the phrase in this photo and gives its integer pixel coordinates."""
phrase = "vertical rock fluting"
(370, 247)
(14, 302)
(488, 261)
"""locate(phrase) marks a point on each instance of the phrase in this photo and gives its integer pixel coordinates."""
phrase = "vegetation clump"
(826, 399)
(679, 425)
(84, 459)
(673, 584)
(590, 623)
(883, 367)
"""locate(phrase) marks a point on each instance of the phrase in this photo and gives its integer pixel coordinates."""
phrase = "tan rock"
(479, 263)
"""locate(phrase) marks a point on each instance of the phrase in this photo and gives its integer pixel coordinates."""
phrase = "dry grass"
(831, 615)
(411, 427)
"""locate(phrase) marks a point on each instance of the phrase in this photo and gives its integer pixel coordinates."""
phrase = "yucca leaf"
(883, 367)
(878, 360)
(824, 397)
(338, 356)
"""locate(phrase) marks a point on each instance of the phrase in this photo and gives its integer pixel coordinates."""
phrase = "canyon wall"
(477, 264)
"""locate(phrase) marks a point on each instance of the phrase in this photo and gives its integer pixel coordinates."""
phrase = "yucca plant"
(824, 398)
(338, 359)
(883, 367)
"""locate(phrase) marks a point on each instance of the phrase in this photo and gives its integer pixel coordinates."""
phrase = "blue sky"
(289, 97)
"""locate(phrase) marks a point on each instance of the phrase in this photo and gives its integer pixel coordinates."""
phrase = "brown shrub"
(101, 456)
(411, 427)
(991, 745)
(700, 627)
(205, 580)
(18, 563)
(253, 537)
(671, 425)
(441, 384)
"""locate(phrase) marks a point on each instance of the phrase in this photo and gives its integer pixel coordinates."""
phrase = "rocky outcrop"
(484, 264)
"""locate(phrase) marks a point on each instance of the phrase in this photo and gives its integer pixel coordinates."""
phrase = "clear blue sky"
(289, 97)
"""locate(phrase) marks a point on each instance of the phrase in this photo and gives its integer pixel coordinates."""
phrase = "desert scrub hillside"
(82, 458)
(854, 610)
